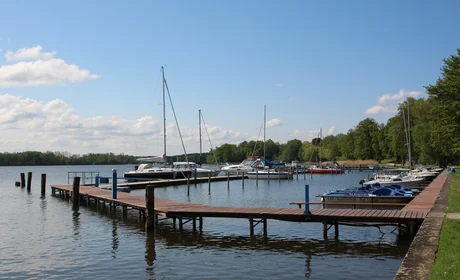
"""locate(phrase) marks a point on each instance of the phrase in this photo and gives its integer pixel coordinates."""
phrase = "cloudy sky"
(84, 76)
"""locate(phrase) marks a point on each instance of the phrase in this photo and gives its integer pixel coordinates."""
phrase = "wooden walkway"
(191, 211)
(426, 199)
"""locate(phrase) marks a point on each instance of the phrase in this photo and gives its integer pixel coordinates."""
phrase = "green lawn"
(447, 262)
(453, 204)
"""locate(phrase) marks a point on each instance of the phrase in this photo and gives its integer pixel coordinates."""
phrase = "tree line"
(434, 132)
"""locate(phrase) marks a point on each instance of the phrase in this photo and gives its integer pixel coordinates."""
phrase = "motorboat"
(268, 174)
(321, 169)
(150, 171)
(251, 163)
(195, 169)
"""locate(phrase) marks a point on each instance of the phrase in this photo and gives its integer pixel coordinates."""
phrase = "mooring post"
(228, 180)
(201, 223)
(29, 180)
(194, 174)
(265, 226)
(304, 173)
(96, 183)
(268, 176)
(43, 184)
(336, 227)
(150, 207)
(242, 180)
(194, 224)
(325, 229)
(307, 200)
(257, 177)
(251, 226)
(188, 186)
(23, 180)
(114, 184)
(209, 182)
(297, 173)
(76, 191)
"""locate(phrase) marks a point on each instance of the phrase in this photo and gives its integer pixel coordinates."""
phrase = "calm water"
(44, 238)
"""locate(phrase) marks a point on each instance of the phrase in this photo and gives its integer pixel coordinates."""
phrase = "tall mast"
(320, 140)
(265, 120)
(199, 127)
(164, 114)
(408, 131)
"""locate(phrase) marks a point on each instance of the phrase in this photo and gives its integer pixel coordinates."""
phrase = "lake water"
(45, 238)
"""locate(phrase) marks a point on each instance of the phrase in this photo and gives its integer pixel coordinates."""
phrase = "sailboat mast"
(265, 120)
(408, 131)
(199, 128)
(164, 114)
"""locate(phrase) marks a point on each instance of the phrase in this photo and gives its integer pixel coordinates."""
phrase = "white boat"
(268, 175)
(194, 169)
(155, 167)
(252, 163)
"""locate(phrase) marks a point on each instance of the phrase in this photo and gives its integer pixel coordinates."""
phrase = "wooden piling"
(325, 229)
(228, 180)
(336, 227)
(23, 180)
(17, 183)
(251, 226)
(150, 207)
(29, 180)
(265, 227)
(257, 177)
(297, 173)
(209, 183)
(43, 184)
(76, 191)
(188, 186)
(242, 180)
(268, 176)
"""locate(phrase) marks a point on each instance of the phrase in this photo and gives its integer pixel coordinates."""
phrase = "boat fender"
(362, 181)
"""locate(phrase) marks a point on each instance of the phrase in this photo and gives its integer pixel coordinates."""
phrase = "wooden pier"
(185, 212)
(176, 182)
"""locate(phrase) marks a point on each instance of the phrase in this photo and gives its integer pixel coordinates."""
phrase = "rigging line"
(209, 139)
(177, 123)
(313, 149)
(258, 136)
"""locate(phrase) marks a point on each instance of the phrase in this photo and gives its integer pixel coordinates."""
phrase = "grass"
(446, 265)
(453, 204)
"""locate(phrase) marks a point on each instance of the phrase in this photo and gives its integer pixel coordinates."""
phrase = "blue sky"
(313, 63)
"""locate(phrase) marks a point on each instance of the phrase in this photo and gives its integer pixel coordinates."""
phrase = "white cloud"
(291, 98)
(331, 130)
(34, 53)
(44, 70)
(308, 135)
(388, 103)
(34, 125)
(273, 123)
(1, 50)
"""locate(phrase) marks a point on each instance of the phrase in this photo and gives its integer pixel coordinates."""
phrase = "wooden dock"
(185, 212)
(176, 182)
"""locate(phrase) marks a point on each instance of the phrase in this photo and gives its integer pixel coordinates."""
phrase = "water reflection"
(115, 240)
(150, 254)
(76, 220)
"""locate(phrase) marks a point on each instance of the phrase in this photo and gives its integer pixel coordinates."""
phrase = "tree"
(291, 150)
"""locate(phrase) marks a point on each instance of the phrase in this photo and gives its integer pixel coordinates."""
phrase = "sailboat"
(268, 173)
(321, 169)
(196, 169)
(408, 181)
(155, 167)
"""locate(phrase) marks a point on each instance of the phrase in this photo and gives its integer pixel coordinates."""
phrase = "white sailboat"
(267, 174)
(155, 167)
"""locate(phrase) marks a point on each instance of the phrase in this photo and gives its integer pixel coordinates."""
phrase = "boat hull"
(324, 171)
(264, 175)
(366, 199)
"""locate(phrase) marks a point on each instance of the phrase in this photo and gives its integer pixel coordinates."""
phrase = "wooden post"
(268, 176)
(257, 177)
(265, 227)
(279, 176)
(114, 183)
(17, 183)
(251, 226)
(228, 180)
(209, 182)
(336, 227)
(188, 186)
(150, 207)
(76, 191)
(304, 173)
(23, 180)
(297, 173)
(201, 224)
(43, 184)
(29, 180)
(242, 180)
(325, 229)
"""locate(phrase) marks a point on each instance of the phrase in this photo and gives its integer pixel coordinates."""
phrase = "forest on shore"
(434, 136)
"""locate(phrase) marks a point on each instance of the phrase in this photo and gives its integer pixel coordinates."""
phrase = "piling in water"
(23, 180)
(150, 207)
(76, 191)
(29, 180)
(43, 184)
